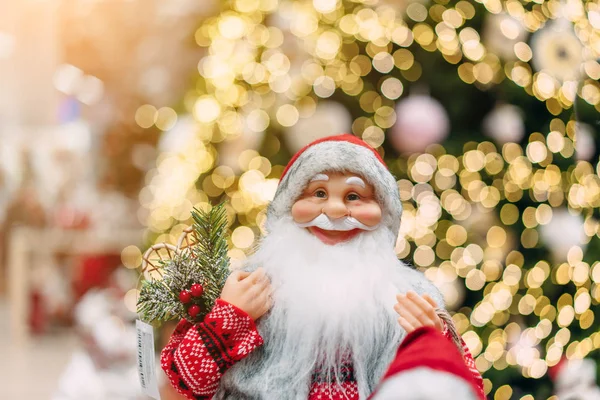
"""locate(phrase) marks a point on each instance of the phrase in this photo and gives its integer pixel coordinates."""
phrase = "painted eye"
(353, 197)
(320, 193)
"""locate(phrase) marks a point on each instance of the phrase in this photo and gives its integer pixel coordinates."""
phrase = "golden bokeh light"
(131, 257)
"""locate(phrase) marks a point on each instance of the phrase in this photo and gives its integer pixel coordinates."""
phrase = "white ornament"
(563, 232)
(557, 51)
(585, 146)
(329, 118)
(421, 121)
(505, 124)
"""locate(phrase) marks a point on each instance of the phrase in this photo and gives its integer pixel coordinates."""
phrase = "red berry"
(185, 296)
(193, 311)
(197, 290)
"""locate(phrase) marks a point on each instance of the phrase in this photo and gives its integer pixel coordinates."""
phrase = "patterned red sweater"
(198, 355)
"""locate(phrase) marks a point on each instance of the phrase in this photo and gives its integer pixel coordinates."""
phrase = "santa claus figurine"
(320, 308)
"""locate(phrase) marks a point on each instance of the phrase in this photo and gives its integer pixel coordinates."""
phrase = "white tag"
(146, 359)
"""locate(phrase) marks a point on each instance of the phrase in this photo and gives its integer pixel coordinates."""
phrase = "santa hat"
(555, 371)
(341, 153)
(575, 378)
(427, 366)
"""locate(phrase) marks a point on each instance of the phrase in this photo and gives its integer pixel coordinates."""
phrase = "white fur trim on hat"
(338, 156)
(425, 384)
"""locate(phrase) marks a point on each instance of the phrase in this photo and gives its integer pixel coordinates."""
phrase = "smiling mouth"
(333, 237)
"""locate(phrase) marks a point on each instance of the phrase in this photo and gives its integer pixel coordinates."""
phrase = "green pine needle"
(206, 263)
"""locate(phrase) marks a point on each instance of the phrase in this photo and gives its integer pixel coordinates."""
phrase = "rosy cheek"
(305, 211)
(369, 214)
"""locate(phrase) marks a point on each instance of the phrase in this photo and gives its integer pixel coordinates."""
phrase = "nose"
(335, 208)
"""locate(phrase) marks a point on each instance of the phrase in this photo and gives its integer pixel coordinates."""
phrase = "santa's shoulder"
(409, 278)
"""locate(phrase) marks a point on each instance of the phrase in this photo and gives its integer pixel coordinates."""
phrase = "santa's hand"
(416, 311)
(250, 292)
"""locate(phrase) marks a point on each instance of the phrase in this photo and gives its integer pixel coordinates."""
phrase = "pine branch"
(206, 263)
(210, 252)
(157, 302)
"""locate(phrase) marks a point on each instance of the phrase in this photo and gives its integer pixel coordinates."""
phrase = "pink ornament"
(421, 121)
(505, 124)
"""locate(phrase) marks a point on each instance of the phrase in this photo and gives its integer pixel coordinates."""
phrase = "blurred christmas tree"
(506, 225)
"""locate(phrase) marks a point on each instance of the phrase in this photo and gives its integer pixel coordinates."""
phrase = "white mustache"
(338, 224)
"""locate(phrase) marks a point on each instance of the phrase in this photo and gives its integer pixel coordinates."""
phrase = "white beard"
(331, 303)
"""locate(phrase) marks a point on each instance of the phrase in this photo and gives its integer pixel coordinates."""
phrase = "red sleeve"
(198, 355)
(469, 361)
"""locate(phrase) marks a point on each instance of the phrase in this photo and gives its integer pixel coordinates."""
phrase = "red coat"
(198, 355)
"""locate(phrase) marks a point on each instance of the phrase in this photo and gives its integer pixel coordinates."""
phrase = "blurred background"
(117, 117)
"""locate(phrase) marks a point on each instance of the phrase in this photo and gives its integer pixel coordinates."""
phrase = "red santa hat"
(554, 371)
(427, 366)
(575, 379)
(341, 153)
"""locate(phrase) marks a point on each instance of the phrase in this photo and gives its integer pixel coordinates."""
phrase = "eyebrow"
(319, 177)
(355, 180)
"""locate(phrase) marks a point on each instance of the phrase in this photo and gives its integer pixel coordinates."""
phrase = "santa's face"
(335, 207)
